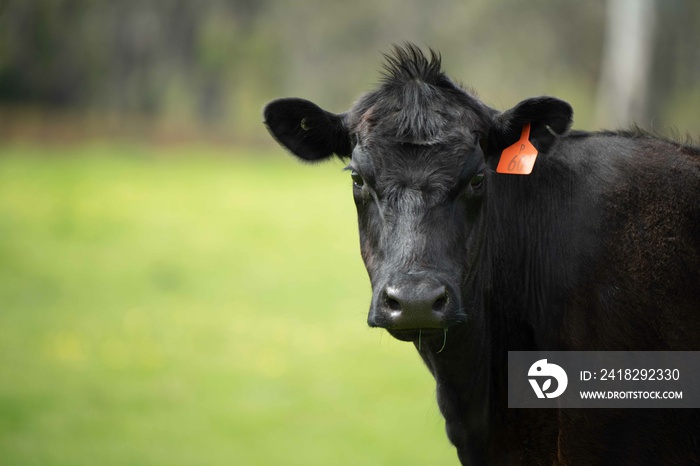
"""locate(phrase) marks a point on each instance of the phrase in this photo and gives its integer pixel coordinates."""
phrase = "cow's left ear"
(548, 117)
(306, 130)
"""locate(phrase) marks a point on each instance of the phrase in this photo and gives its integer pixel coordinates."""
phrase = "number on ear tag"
(519, 158)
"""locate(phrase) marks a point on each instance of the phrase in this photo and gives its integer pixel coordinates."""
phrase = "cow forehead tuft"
(416, 103)
(409, 63)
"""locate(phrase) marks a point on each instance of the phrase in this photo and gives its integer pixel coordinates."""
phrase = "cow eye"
(357, 179)
(477, 180)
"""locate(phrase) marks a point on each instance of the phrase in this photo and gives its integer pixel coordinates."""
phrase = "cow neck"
(527, 258)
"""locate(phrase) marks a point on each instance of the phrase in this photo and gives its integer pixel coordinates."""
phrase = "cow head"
(421, 154)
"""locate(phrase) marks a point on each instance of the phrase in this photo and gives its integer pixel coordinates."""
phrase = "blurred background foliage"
(175, 290)
(183, 67)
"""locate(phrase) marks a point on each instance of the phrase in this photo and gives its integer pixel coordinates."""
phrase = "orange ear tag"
(519, 158)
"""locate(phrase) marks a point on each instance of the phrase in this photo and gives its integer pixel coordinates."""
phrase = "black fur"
(597, 249)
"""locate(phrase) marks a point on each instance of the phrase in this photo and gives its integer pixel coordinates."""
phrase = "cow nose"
(409, 300)
(413, 307)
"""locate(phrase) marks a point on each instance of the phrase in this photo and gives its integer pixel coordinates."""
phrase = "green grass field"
(195, 307)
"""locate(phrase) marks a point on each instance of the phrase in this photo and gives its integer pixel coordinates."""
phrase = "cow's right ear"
(306, 130)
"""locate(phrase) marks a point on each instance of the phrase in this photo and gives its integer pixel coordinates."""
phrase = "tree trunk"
(623, 86)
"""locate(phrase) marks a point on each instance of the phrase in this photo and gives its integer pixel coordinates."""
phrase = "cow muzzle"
(413, 303)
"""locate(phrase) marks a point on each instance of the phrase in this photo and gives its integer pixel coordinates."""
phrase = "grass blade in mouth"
(444, 342)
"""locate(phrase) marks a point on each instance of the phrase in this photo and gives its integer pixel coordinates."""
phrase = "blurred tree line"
(214, 63)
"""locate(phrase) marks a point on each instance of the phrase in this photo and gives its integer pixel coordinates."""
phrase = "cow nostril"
(392, 304)
(440, 304)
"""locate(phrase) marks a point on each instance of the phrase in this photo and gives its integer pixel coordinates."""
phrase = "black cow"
(598, 248)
